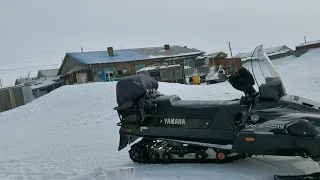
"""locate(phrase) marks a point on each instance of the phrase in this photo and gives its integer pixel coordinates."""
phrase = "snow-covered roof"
(173, 51)
(127, 55)
(269, 54)
(213, 55)
(309, 43)
(176, 55)
(149, 68)
(45, 84)
(48, 72)
(269, 51)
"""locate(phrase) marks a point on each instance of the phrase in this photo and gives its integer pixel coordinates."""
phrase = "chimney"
(110, 51)
(167, 47)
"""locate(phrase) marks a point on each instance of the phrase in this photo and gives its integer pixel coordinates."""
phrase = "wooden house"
(110, 65)
(217, 58)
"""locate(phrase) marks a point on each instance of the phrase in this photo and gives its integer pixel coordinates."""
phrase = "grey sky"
(38, 31)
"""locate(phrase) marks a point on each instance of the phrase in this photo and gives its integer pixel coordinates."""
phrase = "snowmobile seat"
(174, 106)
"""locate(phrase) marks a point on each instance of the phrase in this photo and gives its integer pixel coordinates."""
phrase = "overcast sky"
(40, 32)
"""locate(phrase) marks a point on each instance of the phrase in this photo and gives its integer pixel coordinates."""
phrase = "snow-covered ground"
(71, 133)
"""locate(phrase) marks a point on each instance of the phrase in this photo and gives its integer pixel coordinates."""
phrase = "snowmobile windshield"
(264, 72)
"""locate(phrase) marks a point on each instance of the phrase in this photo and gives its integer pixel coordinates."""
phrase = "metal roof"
(174, 51)
(213, 55)
(48, 72)
(127, 55)
(97, 57)
(270, 50)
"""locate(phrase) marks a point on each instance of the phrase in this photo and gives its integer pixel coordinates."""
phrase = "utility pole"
(230, 50)
(305, 39)
(0, 83)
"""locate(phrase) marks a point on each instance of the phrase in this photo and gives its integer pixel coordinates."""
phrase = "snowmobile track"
(142, 153)
(189, 161)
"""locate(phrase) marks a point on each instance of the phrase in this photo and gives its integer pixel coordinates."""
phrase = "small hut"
(14, 96)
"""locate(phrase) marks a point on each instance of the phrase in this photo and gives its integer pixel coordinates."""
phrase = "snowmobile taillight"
(221, 156)
(128, 130)
(250, 139)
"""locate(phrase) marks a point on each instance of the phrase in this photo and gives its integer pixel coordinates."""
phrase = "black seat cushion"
(173, 106)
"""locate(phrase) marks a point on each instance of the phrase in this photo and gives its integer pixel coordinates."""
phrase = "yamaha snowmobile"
(264, 121)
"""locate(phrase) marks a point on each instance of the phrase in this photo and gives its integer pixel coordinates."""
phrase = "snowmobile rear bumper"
(126, 139)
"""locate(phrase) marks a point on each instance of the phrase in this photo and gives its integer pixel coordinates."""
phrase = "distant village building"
(202, 64)
(46, 81)
(109, 65)
(217, 58)
(47, 74)
(308, 45)
(273, 53)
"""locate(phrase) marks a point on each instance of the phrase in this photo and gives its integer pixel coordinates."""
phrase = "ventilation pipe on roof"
(167, 47)
(110, 51)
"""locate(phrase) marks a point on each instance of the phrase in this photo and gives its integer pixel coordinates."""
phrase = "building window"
(123, 72)
(155, 74)
(137, 67)
(189, 62)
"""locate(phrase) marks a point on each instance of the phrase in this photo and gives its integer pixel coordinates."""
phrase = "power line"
(43, 52)
(30, 57)
(6, 73)
(3, 70)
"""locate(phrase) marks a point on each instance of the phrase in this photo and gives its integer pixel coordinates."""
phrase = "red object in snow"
(232, 64)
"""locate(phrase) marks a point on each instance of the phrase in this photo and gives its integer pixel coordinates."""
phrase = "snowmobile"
(266, 120)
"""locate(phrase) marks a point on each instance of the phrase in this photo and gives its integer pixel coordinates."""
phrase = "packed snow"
(71, 133)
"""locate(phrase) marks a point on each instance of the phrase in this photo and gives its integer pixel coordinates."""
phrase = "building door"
(108, 74)
(82, 78)
(137, 67)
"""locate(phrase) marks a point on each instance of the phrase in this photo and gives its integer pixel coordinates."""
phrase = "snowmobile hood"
(300, 104)
(313, 118)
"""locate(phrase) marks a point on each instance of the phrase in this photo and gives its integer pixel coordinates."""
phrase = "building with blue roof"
(109, 65)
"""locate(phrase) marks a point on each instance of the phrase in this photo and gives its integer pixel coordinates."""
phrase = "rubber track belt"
(191, 161)
(146, 160)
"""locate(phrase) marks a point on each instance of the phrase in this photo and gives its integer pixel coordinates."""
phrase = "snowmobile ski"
(312, 176)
